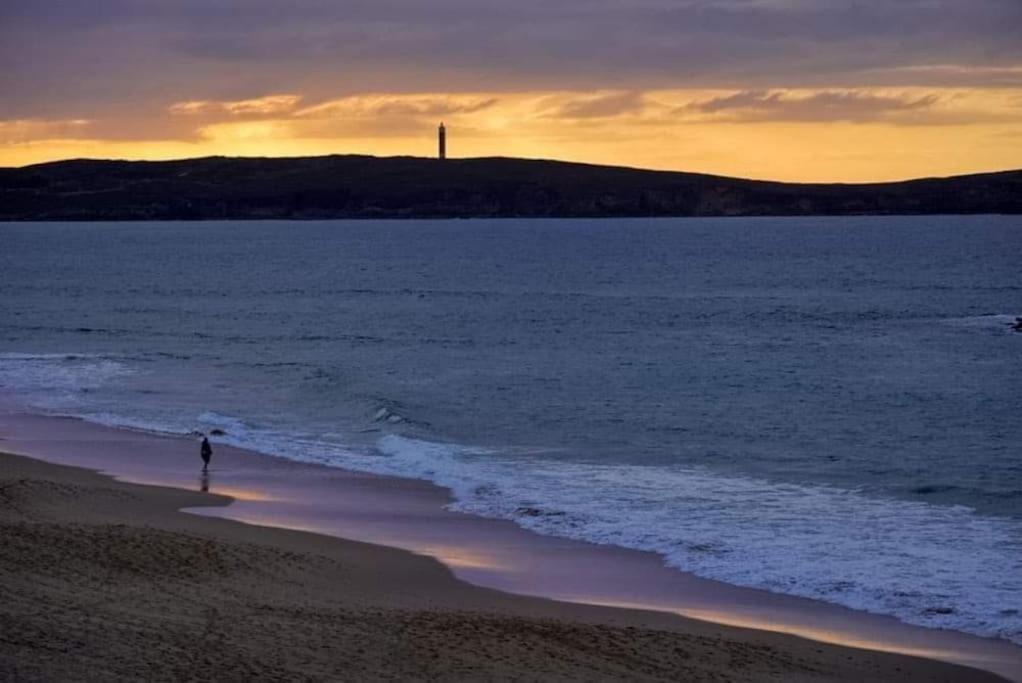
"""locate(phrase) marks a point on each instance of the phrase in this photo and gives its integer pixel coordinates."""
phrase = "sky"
(801, 90)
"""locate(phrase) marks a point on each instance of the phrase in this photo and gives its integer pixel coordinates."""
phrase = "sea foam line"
(931, 565)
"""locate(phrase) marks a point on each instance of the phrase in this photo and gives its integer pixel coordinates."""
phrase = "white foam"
(936, 566)
(53, 380)
(231, 426)
(994, 322)
(142, 424)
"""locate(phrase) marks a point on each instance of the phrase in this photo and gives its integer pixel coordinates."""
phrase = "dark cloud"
(601, 106)
(26, 130)
(760, 105)
(81, 59)
(948, 76)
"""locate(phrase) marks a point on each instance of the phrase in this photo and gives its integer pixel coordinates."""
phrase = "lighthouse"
(442, 142)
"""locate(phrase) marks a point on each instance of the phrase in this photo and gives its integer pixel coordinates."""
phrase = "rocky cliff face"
(406, 187)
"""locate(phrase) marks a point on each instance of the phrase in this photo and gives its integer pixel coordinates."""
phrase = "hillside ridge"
(359, 186)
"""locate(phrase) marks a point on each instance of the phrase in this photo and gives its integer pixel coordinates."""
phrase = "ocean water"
(826, 407)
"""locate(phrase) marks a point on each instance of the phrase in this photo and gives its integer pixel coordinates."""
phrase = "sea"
(822, 407)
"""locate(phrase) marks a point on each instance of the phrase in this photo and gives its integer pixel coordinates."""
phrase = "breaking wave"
(932, 565)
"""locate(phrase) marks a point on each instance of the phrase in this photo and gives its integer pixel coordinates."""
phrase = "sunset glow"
(779, 89)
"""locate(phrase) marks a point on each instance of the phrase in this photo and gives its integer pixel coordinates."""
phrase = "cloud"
(400, 106)
(26, 130)
(368, 116)
(260, 106)
(947, 75)
(830, 105)
(601, 106)
(80, 60)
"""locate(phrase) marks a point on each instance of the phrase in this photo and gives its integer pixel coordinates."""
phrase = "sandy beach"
(107, 579)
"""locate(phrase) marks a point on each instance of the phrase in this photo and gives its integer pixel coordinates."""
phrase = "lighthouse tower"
(442, 141)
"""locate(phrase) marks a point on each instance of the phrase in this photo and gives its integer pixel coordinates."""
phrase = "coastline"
(491, 554)
(133, 588)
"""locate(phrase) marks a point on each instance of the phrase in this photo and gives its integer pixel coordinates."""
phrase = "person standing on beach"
(206, 451)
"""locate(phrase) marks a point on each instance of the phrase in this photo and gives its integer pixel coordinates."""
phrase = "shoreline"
(492, 554)
(131, 587)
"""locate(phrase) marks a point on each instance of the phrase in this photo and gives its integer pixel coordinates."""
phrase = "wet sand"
(494, 554)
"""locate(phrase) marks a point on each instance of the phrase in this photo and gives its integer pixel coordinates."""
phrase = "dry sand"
(103, 580)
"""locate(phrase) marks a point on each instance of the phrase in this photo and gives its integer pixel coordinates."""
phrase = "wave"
(59, 375)
(929, 565)
(932, 565)
(222, 425)
(936, 566)
(990, 322)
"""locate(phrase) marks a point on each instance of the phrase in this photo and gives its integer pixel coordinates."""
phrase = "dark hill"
(406, 187)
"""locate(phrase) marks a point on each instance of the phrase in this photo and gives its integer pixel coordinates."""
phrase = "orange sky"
(879, 134)
(803, 90)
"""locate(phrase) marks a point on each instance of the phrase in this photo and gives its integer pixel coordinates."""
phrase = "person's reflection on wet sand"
(204, 482)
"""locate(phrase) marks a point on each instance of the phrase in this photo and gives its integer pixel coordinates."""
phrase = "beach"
(774, 431)
(111, 578)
